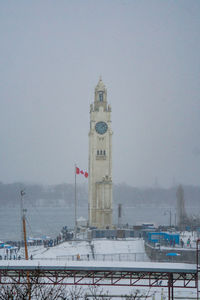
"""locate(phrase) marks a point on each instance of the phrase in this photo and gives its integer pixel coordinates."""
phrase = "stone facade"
(100, 160)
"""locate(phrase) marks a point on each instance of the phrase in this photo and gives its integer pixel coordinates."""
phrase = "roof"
(100, 85)
(98, 266)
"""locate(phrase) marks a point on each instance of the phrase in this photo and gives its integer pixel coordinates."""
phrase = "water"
(49, 220)
(40, 221)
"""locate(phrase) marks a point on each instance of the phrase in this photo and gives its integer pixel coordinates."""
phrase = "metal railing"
(100, 257)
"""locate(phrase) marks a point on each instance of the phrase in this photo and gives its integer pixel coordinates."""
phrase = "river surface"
(49, 220)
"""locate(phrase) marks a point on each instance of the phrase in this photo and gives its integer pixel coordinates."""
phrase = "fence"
(101, 257)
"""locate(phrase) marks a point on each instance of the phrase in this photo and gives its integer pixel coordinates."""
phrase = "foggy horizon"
(81, 184)
(51, 57)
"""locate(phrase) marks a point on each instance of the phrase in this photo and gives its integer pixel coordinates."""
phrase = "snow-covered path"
(131, 249)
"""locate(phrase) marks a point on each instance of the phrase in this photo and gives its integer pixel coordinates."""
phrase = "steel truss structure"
(82, 276)
(106, 278)
(184, 277)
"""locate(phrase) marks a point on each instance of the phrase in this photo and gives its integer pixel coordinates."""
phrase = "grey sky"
(51, 56)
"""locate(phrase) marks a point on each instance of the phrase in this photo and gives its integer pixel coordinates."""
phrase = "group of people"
(13, 257)
(188, 243)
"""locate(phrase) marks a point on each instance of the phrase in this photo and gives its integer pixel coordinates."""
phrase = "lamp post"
(23, 216)
(170, 216)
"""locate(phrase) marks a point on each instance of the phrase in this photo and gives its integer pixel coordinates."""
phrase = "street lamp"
(170, 216)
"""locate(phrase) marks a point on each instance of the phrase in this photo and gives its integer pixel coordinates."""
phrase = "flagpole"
(21, 211)
(75, 208)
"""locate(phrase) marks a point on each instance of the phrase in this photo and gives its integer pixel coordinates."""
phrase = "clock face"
(101, 127)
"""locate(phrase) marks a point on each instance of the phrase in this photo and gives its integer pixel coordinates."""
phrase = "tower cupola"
(100, 96)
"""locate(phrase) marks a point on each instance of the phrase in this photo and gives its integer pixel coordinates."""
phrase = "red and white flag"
(78, 171)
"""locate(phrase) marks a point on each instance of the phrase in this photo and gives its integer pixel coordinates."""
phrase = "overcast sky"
(51, 56)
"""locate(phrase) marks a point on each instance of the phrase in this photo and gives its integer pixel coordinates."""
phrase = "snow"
(99, 248)
(99, 265)
(67, 248)
(49, 257)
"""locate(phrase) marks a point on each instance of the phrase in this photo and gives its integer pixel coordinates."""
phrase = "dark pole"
(197, 262)
(75, 209)
(169, 290)
(172, 285)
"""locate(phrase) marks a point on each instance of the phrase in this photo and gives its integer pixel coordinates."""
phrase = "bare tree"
(75, 293)
(133, 295)
(7, 292)
(49, 292)
(36, 289)
(13, 291)
(97, 293)
(137, 294)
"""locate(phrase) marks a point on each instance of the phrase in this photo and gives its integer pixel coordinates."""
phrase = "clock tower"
(100, 160)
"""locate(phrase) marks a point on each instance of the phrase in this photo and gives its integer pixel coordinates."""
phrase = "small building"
(163, 238)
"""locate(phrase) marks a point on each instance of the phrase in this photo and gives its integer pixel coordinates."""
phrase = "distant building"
(81, 222)
(181, 213)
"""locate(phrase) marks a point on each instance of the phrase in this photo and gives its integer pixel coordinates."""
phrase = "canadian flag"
(78, 171)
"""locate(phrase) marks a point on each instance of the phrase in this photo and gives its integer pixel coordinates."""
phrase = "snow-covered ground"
(101, 249)
(104, 249)
(71, 248)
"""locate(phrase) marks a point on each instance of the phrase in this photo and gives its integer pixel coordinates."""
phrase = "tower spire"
(100, 85)
(100, 95)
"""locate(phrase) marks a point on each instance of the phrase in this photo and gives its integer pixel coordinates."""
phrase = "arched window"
(104, 152)
(101, 152)
(97, 152)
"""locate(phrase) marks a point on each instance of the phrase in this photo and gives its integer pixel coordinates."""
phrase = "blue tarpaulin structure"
(158, 237)
(172, 254)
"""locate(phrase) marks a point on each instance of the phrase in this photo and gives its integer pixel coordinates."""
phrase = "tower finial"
(100, 85)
